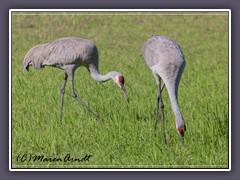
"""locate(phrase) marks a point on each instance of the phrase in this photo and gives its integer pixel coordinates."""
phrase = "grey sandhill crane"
(68, 54)
(166, 60)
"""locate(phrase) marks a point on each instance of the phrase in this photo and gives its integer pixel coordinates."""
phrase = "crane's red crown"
(121, 80)
(181, 130)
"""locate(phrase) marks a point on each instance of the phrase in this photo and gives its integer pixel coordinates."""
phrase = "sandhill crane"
(68, 54)
(166, 60)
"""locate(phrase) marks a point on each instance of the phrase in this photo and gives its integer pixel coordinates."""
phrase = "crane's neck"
(173, 95)
(97, 76)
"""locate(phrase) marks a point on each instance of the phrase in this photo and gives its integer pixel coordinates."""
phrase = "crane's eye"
(121, 80)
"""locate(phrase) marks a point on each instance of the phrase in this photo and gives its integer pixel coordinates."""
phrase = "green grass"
(125, 136)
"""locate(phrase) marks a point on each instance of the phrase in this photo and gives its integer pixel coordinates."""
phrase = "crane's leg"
(156, 114)
(74, 95)
(161, 105)
(62, 91)
(163, 118)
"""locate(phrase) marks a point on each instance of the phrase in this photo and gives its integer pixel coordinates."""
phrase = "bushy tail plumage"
(26, 63)
(28, 59)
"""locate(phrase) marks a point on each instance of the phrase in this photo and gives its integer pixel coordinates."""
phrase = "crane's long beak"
(125, 93)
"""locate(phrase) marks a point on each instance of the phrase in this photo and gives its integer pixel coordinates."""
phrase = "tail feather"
(28, 59)
(26, 63)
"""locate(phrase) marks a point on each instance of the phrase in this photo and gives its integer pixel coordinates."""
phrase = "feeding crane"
(166, 61)
(68, 54)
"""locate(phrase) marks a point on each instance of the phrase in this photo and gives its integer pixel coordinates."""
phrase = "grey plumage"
(68, 54)
(61, 53)
(167, 62)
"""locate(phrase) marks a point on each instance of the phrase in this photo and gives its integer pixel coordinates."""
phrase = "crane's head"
(119, 80)
(181, 131)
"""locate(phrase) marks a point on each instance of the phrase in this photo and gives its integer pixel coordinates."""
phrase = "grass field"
(124, 138)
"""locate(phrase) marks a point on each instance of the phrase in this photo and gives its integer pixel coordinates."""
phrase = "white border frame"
(118, 10)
